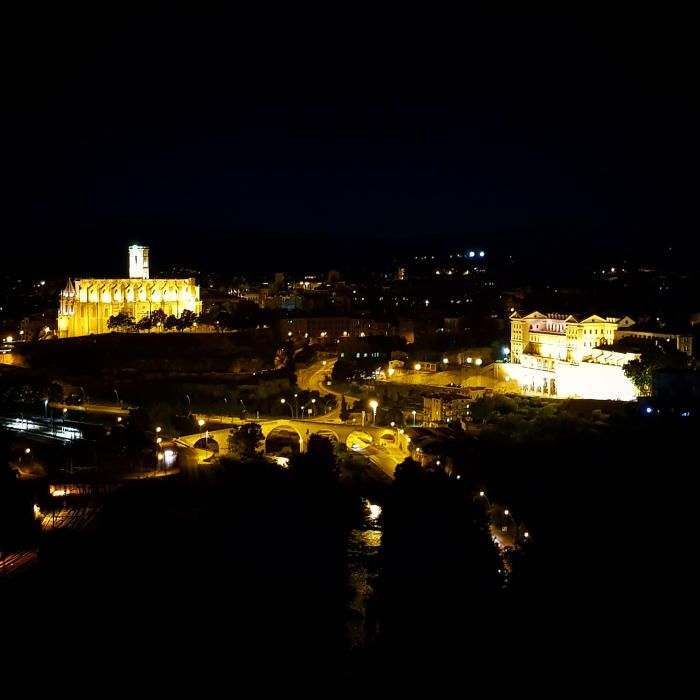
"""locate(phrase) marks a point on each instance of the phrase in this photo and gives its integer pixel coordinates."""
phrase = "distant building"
(86, 305)
(561, 355)
(439, 409)
(453, 324)
(683, 342)
(449, 408)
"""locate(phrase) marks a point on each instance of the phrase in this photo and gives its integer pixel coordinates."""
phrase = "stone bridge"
(216, 441)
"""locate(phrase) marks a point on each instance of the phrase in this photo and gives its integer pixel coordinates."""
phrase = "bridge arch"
(327, 433)
(207, 443)
(358, 439)
(278, 430)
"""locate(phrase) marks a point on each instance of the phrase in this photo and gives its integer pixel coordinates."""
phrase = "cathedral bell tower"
(138, 262)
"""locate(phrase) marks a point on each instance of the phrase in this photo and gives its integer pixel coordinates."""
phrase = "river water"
(363, 556)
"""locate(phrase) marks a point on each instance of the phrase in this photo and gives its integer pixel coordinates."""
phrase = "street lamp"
(508, 514)
(373, 404)
(189, 404)
(117, 395)
(310, 411)
(414, 417)
(291, 410)
(200, 423)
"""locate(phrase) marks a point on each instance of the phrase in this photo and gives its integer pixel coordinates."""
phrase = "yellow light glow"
(374, 511)
(200, 422)
(417, 366)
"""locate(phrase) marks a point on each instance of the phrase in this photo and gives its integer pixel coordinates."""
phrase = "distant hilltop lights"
(475, 254)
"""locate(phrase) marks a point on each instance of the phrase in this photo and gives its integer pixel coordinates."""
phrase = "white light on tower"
(138, 262)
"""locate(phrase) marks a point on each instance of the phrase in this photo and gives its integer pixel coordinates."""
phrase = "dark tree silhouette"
(244, 441)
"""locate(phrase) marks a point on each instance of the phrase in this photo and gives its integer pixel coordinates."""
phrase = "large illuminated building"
(564, 356)
(86, 305)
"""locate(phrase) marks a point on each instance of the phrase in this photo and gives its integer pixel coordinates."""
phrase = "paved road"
(380, 458)
(311, 378)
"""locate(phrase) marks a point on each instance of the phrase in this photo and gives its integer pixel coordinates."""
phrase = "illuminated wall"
(587, 380)
(562, 356)
(86, 305)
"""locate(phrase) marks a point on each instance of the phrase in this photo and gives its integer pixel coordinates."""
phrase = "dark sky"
(217, 136)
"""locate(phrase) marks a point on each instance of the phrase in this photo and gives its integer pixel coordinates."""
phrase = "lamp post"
(373, 404)
(303, 408)
(159, 454)
(189, 404)
(291, 410)
(117, 395)
(200, 423)
(414, 417)
(508, 514)
(27, 451)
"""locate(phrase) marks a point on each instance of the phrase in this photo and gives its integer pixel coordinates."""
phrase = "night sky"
(201, 133)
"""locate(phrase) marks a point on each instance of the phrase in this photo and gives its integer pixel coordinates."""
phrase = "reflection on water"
(363, 550)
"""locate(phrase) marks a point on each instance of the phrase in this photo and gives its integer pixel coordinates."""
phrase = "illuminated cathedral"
(86, 305)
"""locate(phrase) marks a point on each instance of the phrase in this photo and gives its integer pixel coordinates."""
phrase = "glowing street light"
(445, 361)
(289, 405)
(310, 410)
(417, 366)
(478, 362)
(414, 416)
(158, 429)
(373, 405)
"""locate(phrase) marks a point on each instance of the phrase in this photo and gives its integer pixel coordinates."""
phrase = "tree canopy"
(244, 441)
